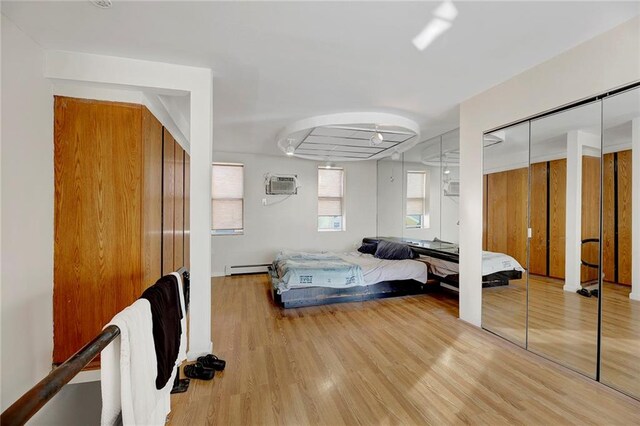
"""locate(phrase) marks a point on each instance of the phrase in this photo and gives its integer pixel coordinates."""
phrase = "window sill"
(331, 230)
(226, 234)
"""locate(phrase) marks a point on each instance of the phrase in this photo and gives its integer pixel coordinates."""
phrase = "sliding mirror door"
(620, 315)
(422, 186)
(565, 250)
(505, 206)
(450, 176)
(390, 190)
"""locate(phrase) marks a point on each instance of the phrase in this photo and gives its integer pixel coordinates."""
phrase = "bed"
(306, 279)
(442, 258)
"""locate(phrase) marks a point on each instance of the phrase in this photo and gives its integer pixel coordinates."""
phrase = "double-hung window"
(331, 199)
(227, 199)
(417, 197)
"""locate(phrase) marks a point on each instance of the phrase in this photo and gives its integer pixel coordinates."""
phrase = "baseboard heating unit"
(261, 268)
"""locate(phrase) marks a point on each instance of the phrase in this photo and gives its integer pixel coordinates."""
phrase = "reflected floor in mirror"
(563, 326)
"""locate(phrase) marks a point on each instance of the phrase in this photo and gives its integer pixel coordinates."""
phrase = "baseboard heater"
(246, 269)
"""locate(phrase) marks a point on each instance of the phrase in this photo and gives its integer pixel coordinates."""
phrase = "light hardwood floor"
(563, 326)
(392, 361)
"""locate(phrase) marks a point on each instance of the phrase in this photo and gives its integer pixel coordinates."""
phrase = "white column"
(635, 210)
(573, 219)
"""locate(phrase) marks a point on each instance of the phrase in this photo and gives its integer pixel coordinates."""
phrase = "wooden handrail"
(36, 397)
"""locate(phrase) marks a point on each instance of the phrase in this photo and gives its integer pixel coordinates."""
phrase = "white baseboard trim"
(635, 295)
(571, 288)
(218, 274)
(194, 353)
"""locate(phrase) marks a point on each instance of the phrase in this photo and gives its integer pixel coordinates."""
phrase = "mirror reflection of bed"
(542, 187)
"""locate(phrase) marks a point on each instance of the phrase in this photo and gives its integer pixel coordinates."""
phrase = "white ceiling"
(275, 63)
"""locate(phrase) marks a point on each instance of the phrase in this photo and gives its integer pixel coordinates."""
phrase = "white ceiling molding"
(350, 136)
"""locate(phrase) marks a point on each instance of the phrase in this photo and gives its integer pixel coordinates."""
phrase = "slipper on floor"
(595, 292)
(212, 361)
(584, 292)
(198, 371)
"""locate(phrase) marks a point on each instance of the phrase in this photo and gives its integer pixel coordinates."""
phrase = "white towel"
(128, 372)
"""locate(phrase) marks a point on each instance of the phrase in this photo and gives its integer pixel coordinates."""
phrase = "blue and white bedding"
(340, 270)
(301, 269)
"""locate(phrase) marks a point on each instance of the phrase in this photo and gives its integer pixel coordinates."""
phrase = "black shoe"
(212, 361)
(584, 292)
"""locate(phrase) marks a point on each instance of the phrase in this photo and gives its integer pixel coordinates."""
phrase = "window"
(227, 199)
(417, 215)
(330, 199)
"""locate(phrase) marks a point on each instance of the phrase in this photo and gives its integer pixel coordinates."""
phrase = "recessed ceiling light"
(102, 4)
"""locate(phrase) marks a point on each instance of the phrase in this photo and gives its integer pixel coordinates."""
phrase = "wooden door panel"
(608, 219)
(497, 212)
(517, 203)
(590, 252)
(557, 217)
(168, 202)
(178, 236)
(98, 180)
(538, 243)
(624, 217)
(187, 212)
(152, 202)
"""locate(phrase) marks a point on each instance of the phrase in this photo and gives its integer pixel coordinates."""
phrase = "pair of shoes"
(212, 361)
(594, 292)
(198, 371)
(584, 292)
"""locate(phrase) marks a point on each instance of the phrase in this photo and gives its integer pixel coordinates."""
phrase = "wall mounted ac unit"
(281, 185)
(452, 188)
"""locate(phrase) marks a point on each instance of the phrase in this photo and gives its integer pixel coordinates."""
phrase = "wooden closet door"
(608, 219)
(497, 212)
(624, 217)
(187, 203)
(538, 242)
(152, 202)
(97, 218)
(178, 236)
(590, 228)
(517, 206)
(557, 217)
(168, 202)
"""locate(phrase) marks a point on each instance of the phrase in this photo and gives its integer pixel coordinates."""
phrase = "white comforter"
(377, 270)
(491, 263)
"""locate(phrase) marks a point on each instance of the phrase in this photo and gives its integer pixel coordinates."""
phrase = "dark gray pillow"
(368, 248)
(394, 251)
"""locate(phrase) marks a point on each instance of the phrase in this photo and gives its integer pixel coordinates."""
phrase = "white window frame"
(424, 220)
(226, 232)
(342, 203)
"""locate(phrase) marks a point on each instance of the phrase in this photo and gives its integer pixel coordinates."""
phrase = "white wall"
(27, 234)
(607, 61)
(292, 224)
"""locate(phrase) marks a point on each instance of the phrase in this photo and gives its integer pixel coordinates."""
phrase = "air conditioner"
(452, 188)
(282, 185)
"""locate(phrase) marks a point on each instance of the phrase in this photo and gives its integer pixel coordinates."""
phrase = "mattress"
(377, 270)
(491, 263)
(371, 269)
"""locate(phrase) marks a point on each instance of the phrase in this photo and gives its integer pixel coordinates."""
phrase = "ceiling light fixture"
(102, 4)
(290, 149)
(377, 138)
(395, 156)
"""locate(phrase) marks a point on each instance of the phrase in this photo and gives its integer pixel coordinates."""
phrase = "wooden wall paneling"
(624, 217)
(538, 212)
(152, 201)
(517, 206)
(484, 211)
(557, 217)
(96, 217)
(497, 212)
(187, 204)
(178, 236)
(168, 202)
(608, 219)
(590, 215)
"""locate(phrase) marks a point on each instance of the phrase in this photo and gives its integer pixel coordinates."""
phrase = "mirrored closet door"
(620, 296)
(563, 317)
(505, 207)
(561, 196)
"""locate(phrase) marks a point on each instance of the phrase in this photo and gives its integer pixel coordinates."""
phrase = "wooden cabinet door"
(97, 219)
(178, 236)
(152, 201)
(187, 212)
(538, 243)
(557, 217)
(168, 202)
